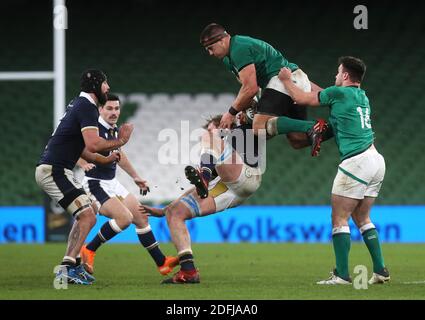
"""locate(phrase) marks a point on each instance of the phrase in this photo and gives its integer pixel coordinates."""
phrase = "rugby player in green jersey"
(362, 169)
(256, 64)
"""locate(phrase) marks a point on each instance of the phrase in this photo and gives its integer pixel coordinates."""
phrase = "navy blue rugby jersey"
(105, 172)
(66, 143)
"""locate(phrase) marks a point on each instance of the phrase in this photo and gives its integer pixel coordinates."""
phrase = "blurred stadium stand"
(155, 116)
(149, 48)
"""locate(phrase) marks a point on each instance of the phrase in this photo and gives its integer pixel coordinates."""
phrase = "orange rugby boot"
(87, 259)
(169, 264)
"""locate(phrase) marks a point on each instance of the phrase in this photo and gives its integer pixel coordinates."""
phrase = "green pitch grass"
(228, 271)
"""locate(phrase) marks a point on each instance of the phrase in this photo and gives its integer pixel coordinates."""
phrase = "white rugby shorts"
(232, 194)
(299, 78)
(101, 191)
(60, 184)
(360, 176)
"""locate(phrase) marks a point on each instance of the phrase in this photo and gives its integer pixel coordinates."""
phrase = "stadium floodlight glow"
(60, 24)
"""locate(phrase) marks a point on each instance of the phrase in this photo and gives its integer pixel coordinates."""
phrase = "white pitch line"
(414, 282)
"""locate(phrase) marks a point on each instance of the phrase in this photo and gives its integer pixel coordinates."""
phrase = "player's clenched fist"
(114, 156)
(125, 132)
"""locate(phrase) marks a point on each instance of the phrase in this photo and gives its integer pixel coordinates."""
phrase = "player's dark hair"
(211, 34)
(113, 97)
(355, 67)
(110, 97)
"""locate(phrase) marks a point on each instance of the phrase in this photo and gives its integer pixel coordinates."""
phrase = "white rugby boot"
(334, 279)
(380, 277)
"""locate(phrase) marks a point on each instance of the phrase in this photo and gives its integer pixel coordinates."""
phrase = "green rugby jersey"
(349, 118)
(246, 50)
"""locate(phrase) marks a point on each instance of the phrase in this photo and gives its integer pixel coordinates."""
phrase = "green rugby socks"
(371, 239)
(342, 244)
(283, 125)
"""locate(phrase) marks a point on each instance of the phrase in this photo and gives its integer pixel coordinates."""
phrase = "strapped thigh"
(191, 202)
(74, 200)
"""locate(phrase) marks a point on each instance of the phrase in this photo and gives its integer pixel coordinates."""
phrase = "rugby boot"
(315, 136)
(169, 264)
(70, 275)
(195, 177)
(334, 279)
(380, 277)
(87, 259)
(183, 277)
(84, 274)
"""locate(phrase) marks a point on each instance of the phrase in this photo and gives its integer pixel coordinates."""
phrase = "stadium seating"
(159, 119)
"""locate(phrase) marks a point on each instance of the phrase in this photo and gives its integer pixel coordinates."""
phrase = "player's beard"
(102, 97)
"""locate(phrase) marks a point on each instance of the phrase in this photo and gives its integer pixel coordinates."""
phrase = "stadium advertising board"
(22, 224)
(299, 224)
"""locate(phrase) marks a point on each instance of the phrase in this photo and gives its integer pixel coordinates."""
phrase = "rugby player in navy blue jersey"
(78, 129)
(113, 200)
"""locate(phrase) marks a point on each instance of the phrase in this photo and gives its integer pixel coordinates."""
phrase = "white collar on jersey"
(87, 96)
(105, 124)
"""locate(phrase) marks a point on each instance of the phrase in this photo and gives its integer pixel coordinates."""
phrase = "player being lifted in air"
(226, 178)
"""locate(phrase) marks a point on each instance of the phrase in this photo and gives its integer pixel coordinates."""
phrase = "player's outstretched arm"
(299, 96)
(126, 165)
(149, 211)
(315, 87)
